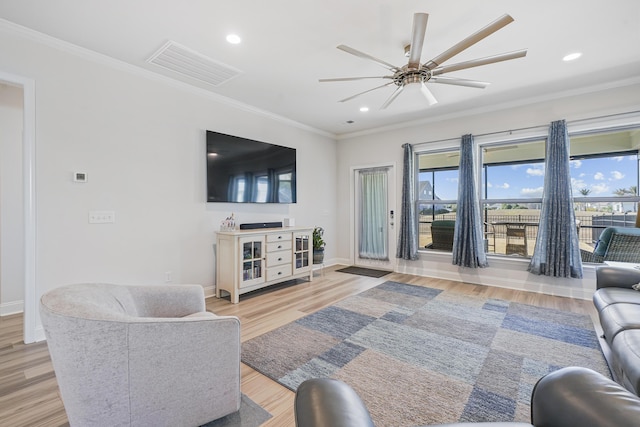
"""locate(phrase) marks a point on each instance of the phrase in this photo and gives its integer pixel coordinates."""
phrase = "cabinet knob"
(279, 237)
(279, 246)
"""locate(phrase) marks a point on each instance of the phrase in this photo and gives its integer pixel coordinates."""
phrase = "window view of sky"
(597, 177)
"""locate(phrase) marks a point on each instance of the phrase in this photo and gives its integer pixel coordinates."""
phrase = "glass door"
(301, 251)
(251, 252)
(374, 218)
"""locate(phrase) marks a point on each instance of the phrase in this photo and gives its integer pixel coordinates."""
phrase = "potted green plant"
(318, 245)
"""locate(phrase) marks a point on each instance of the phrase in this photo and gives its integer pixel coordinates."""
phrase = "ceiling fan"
(431, 71)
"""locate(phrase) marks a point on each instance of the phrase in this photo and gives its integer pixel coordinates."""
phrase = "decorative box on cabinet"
(252, 259)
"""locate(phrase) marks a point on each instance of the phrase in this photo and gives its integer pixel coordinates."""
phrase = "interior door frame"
(28, 86)
(392, 205)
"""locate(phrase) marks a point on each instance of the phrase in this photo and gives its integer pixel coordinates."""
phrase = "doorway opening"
(24, 151)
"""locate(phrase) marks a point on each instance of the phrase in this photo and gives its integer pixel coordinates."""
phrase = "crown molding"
(495, 107)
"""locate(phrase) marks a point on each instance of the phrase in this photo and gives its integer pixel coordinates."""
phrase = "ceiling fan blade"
(427, 94)
(366, 91)
(477, 62)
(459, 82)
(417, 39)
(393, 96)
(469, 41)
(348, 79)
(367, 56)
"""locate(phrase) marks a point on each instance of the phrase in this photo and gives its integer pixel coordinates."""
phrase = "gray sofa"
(618, 306)
(569, 397)
(141, 355)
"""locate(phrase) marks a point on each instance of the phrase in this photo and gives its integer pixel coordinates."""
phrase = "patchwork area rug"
(361, 271)
(418, 355)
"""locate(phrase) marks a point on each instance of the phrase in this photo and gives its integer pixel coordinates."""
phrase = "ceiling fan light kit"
(415, 73)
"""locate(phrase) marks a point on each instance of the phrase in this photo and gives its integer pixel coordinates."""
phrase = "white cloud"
(618, 158)
(505, 185)
(535, 172)
(577, 184)
(531, 192)
(576, 163)
(599, 188)
(616, 175)
(599, 176)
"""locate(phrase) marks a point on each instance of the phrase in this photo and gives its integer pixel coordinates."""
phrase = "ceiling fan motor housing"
(407, 76)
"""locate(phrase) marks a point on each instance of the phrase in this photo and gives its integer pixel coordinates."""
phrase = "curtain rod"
(571, 122)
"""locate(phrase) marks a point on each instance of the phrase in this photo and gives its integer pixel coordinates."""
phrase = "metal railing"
(589, 230)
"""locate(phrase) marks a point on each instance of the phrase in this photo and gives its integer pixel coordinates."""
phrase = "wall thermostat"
(80, 177)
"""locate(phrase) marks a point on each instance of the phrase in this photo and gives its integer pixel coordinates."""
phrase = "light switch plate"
(102, 217)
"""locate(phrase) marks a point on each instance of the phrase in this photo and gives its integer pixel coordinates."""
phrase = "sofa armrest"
(575, 396)
(607, 276)
(168, 300)
(324, 402)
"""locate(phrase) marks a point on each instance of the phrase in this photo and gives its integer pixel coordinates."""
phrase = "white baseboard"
(209, 291)
(9, 308)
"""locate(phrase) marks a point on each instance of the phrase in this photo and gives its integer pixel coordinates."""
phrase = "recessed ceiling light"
(364, 109)
(234, 38)
(572, 56)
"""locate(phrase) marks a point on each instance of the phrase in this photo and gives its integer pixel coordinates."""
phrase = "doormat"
(361, 271)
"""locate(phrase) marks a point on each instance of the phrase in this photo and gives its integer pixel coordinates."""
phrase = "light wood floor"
(28, 390)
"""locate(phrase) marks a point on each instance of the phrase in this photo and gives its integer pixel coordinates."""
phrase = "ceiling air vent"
(187, 62)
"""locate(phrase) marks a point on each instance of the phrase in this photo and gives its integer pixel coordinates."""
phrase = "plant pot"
(318, 256)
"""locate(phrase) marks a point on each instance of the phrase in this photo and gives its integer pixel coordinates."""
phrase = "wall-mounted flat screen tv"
(241, 170)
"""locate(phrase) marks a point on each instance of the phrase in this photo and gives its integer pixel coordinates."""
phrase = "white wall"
(141, 140)
(11, 201)
(385, 145)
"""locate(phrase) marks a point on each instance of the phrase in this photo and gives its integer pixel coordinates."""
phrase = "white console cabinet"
(247, 260)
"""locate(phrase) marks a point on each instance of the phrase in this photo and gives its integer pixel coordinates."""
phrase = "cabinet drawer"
(279, 246)
(277, 258)
(278, 237)
(279, 272)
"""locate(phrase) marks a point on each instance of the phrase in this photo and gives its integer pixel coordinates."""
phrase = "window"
(437, 194)
(604, 175)
(512, 183)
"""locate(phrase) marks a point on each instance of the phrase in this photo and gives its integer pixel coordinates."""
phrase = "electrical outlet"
(102, 217)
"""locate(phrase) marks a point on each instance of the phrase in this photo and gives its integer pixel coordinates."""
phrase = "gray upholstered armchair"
(141, 355)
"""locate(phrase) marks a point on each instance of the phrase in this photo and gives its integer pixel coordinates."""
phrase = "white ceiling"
(287, 45)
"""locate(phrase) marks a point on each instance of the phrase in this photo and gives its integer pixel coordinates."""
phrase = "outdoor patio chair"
(442, 235)
(620, 244)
